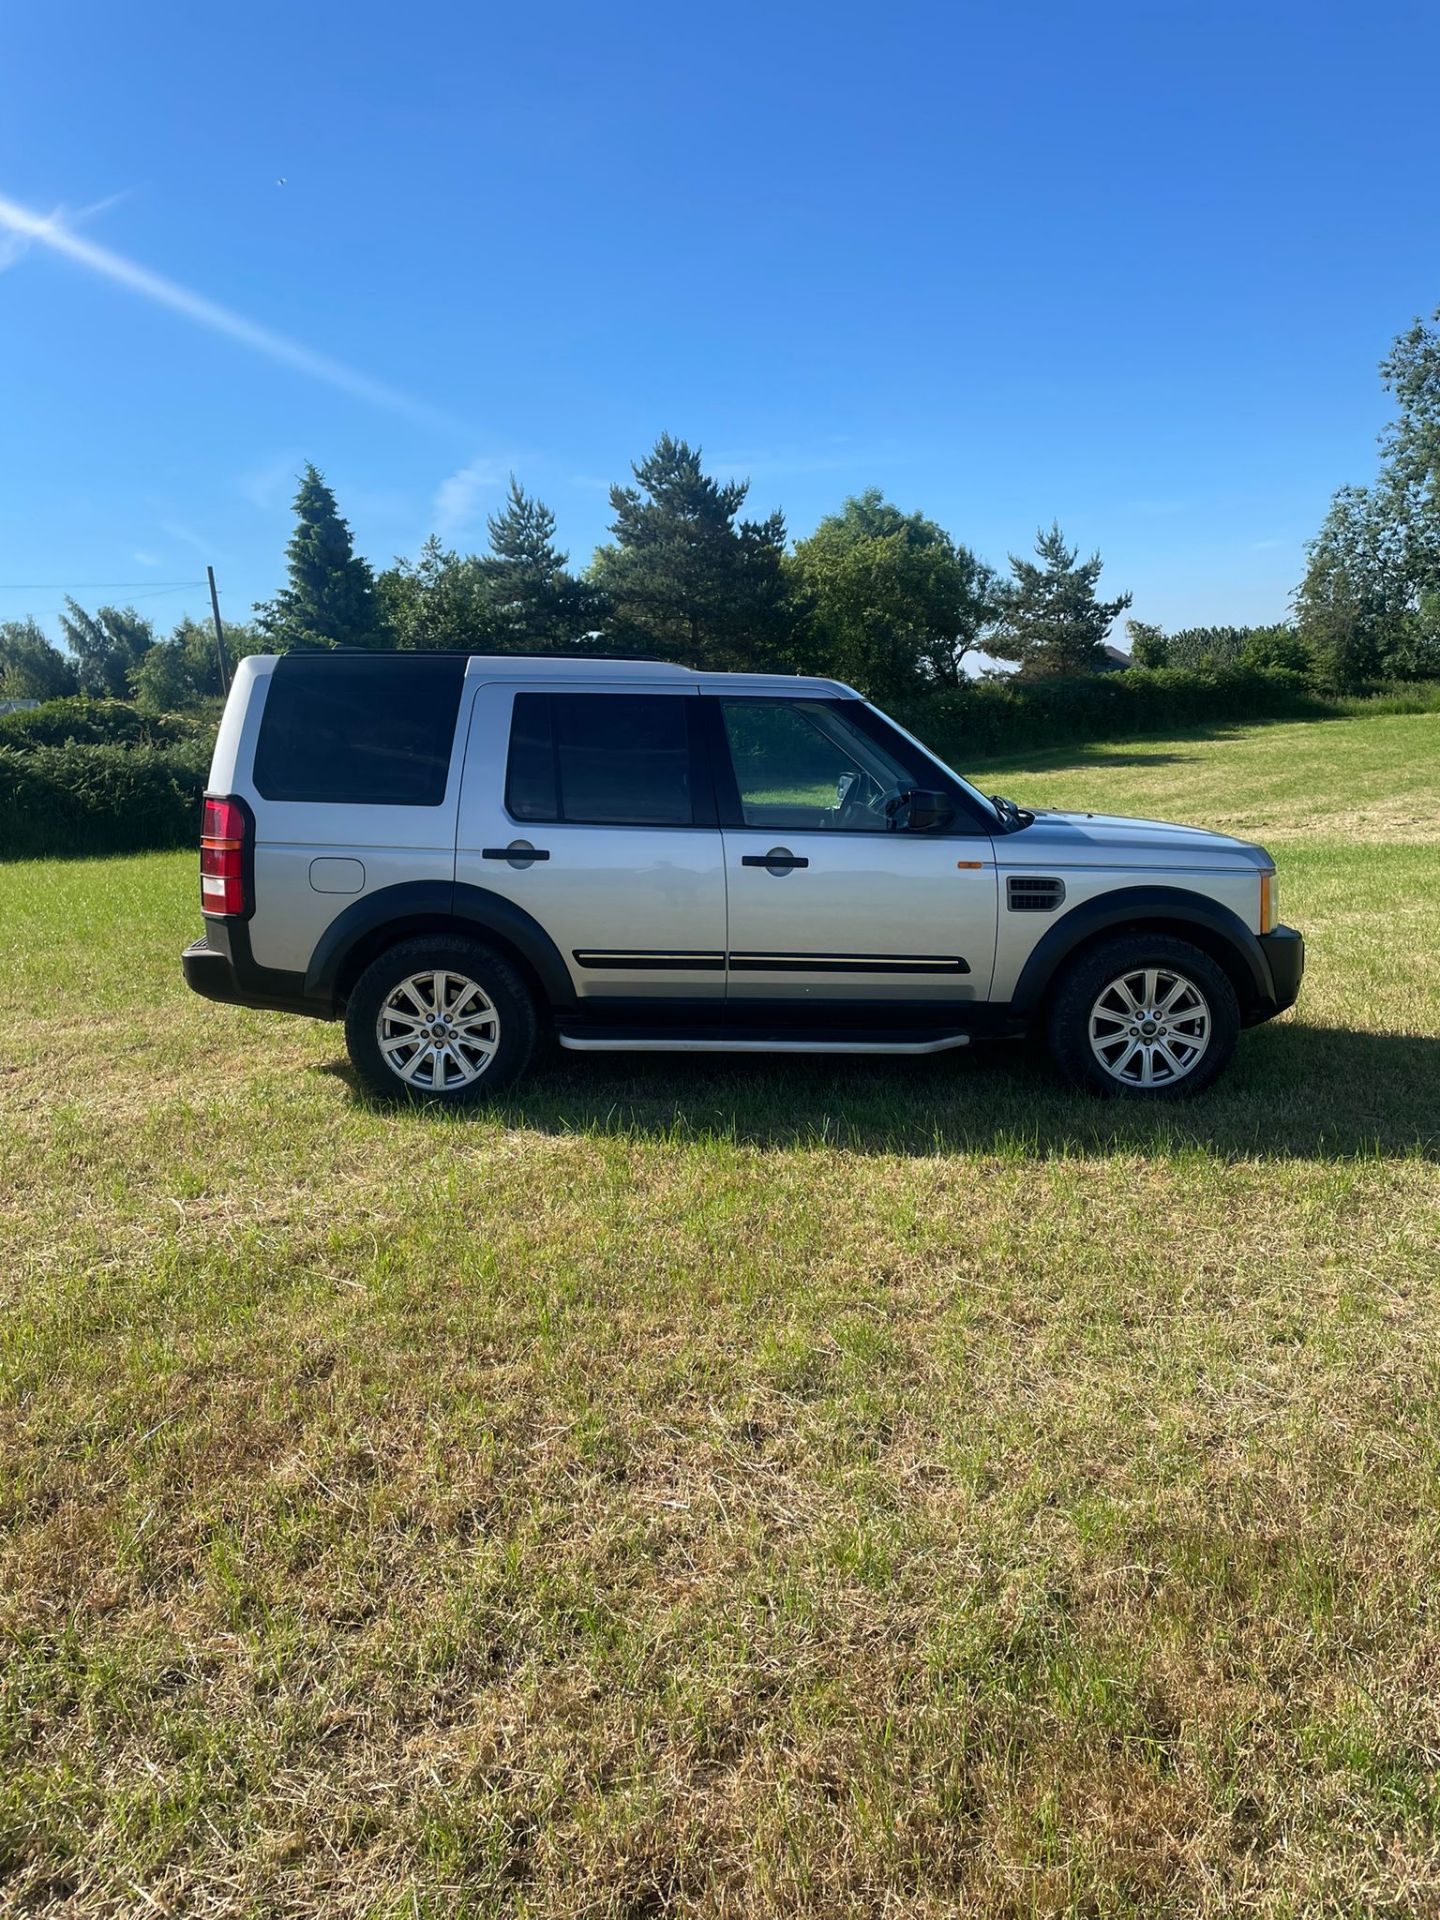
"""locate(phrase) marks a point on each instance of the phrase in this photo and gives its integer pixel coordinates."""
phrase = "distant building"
(976, 664)
(16, 706)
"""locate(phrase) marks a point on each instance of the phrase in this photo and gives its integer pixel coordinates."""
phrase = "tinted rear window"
(600, 759)
(531, 790)
(359, 729)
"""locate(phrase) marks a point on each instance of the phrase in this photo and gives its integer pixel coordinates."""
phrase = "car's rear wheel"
(443, 1020)
(1146, 1015)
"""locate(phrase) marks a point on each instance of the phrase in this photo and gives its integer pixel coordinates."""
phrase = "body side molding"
(644, 960)
(848, 963)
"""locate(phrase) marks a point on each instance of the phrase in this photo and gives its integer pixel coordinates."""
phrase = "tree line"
(884, 599)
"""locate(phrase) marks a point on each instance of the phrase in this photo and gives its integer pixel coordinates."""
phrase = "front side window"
(600, 759)
(802, 764)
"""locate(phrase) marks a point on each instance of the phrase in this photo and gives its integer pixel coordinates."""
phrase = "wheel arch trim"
(1227, 939)
(455, 907)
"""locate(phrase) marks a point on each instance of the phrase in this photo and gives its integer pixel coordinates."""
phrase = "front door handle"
(778, 860)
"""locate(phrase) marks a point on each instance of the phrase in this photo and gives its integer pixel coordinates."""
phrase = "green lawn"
(864, 1489)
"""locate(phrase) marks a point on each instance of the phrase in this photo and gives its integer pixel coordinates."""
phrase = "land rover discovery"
(456, 854)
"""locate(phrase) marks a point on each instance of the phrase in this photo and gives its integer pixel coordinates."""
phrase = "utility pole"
(219, 631)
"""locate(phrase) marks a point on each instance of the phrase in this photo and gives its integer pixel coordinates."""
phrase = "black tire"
(484, 1052)
(1125, 1037)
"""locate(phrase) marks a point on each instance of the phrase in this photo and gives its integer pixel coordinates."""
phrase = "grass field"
(851, 1489)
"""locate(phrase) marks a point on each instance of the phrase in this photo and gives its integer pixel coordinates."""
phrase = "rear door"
(593, 810)
(353, 779)
(828, 902)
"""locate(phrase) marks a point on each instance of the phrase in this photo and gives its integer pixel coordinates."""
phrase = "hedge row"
(81, 776)
(84, 798)
(102, 723)
(987, 718)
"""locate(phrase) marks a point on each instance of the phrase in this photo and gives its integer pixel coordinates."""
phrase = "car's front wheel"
(444, 1020)
(1147, 1015)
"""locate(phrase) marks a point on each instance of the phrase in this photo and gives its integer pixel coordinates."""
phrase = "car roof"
(591, 669)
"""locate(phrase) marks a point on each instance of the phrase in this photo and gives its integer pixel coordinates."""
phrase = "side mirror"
(919, 810)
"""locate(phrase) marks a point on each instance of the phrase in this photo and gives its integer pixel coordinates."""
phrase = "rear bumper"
(209, 973)
(219, 967)
(1284, 952)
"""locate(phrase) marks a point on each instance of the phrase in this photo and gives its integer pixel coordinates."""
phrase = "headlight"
(1269, 902)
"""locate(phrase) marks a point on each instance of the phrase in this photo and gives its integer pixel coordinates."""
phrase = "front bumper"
(1284, 952)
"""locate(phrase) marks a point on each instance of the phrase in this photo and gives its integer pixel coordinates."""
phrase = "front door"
(593, 811)
(829, 902)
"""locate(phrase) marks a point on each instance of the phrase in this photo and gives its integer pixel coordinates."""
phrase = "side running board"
(618, 1042)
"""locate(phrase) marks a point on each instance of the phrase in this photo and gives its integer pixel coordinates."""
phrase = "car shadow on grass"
(1295, 1091)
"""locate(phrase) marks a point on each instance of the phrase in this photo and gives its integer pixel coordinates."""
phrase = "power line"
(91, 586)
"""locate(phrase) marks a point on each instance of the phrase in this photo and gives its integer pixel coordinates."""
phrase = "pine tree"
(1050, 620)
(330, 599)
(685, 579)
(536, 605)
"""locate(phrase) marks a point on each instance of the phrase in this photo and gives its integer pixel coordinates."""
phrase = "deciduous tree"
(183, 672)
(107, 645)
(1369, 604)
(894, 603)
(30, 667)
(1149, 645)
(440, 600)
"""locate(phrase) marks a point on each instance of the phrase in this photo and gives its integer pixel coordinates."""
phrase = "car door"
(591, 808)
(830, 902)
(350, 768)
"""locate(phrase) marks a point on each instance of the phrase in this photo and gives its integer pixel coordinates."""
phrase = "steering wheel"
(865, 802)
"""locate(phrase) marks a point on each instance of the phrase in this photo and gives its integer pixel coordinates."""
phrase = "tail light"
(222, 858)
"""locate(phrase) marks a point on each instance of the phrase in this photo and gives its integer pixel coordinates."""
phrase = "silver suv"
(457, 853)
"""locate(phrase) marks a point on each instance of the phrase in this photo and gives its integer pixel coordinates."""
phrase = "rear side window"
(365, 729)
(600, 759)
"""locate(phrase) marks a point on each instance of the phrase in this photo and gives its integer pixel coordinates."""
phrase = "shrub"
(1416, 696)
(84, 797)
(1000, 716)
(1278, 646)
(100, 723)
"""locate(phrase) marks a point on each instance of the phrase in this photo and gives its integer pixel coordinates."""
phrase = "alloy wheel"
(1150, 1027)
(437, 1030)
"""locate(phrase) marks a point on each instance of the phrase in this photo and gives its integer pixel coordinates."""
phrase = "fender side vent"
(1030, 893)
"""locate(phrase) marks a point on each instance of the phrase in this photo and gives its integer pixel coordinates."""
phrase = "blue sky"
(1130, 266)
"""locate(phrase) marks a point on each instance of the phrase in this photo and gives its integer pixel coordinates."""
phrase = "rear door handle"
(778, 860)
(519, 855)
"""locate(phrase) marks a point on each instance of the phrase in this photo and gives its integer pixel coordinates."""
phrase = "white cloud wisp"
(20, 228)
(458, 497)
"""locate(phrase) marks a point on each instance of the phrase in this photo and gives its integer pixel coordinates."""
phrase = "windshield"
(982, 800)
